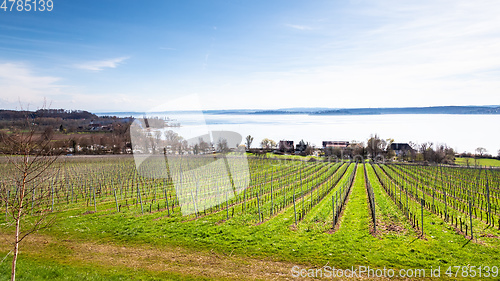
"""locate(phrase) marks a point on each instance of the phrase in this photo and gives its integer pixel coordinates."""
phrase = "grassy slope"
(38, 268)
(47, 258)
(480, 162)
(275, 239)
(390, 219)
(320, 217)
(354, 232)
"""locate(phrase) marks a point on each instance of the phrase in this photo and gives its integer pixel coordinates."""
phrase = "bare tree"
(426, 151)
(481, 151)
(175, 142)
(48, 133)
(172, 137)
(309, 149)
(196, 149)
(333, 151)
(413, 151)
(358, 149)
(375, 146)
(222, 145)
(204, 146)
(267, 143)
(249, 140)
(28, 160)
(302, 146)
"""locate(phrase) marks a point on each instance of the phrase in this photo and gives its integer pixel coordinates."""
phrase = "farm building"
(400, 148)
(285, 146)
(335, 144)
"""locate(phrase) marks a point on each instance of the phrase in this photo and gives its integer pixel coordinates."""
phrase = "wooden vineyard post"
(93, 191)
(434, 190)
(32, 201)
(287, 182)
(258, 205)
(195, 201)
(407, 209)
(312, 194)
(166, 198)
(52, 195)
(194, 205)
(488, 198)
(371, 198)
(333, 211)
(373, 213)
(7, 206)
(227, 207)
(154, 190)
(422, 215)
(294, 207)
(301, 186)
(272, 178)
(244, 199)
(445, 198)
(72, 193)
(470, 216)
(139, 196)
(116, 200)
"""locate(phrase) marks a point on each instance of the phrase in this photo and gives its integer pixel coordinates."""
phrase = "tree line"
(375, 148)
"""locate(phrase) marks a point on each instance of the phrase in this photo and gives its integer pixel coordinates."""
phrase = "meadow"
(116, 223)
(477, 162)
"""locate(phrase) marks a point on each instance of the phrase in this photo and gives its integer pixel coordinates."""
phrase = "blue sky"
(132, 55)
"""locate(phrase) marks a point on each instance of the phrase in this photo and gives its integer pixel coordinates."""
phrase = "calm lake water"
(461, 132)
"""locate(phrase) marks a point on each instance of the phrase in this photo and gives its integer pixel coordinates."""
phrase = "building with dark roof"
(285, 146)
(335, 144)
(400, 148)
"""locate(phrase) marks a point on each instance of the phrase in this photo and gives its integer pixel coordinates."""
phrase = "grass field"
(115, 224)
(480, 162)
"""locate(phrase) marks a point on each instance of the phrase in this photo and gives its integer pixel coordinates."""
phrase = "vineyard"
(305, 212)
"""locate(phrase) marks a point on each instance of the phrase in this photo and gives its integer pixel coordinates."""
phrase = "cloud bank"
(100, 65)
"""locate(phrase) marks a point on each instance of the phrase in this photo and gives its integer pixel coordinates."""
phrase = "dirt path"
(176, 260)
(168, 259)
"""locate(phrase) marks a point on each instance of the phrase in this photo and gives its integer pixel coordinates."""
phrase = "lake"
(461, 132)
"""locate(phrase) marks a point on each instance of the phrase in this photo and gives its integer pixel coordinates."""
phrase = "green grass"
(309, 243)
(479, 162)
(354, 232)
(386, 212)
(352, 245)
(39, 268)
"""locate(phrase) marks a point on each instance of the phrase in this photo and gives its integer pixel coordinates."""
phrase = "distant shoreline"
(461, 110)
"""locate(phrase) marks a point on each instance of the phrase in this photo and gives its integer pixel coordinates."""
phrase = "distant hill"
(486, 109)
(47, 113)
(394, 110)
(413, 110)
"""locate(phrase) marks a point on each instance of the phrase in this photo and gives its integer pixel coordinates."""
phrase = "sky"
(111, 56)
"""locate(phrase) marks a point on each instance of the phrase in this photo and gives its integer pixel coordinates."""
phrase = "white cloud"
(391, 54)
(20, 84)
(384, 53)
(102, 64)
(299, 27)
